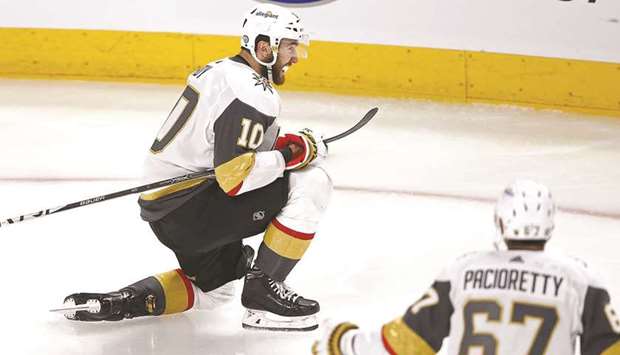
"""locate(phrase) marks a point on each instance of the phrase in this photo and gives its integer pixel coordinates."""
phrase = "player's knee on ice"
(215, 298)
(310, 190)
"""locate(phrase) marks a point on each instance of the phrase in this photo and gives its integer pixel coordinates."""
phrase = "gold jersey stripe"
(175, 291)
(403, 340)
(172, 189)
(285, 245)
(613, 350)
(232, 173)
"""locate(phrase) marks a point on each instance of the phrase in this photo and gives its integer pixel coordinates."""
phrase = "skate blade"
(69, 308)
(263, 320)
(278, 329)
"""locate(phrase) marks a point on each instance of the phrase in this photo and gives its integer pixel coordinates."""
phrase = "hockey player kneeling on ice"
(226, 119)
(519, 301)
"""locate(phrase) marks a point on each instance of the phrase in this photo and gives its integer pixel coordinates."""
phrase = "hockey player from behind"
(226, 119)
(519, 301)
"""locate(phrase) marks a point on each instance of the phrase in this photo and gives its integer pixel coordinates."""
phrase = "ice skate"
(272, 305)
(129, 302)
(90, 307)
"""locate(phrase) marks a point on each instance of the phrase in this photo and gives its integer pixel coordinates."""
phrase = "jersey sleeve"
(601, 324)
(239, 132)
(423, 327)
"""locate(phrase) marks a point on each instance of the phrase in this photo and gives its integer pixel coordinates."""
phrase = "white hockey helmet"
(525, 211)
(275, 22)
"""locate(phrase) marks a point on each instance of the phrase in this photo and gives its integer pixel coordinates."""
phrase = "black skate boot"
(272, 305)
(140, 299)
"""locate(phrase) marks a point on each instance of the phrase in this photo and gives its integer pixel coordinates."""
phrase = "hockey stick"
(201, 174)
(90, 201)
(367, 117)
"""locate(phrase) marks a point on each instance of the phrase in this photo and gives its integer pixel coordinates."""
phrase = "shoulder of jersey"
(462, 262)
(577, 267)
(249, 87)
(470, 256)
(566, 261)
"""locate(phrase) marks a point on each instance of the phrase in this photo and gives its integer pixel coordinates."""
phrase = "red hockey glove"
(307, 152)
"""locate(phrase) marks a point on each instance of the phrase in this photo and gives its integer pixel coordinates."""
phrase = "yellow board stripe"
(400, 339)
(175, 291)
(285, 245)
(543, 81)
(232, 173)
(345, 68)
(172, 189)
(613, 350)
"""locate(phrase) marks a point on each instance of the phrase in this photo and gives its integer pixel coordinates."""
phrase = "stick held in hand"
(134, 190)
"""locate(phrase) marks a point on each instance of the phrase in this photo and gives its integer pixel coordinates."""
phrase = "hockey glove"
(336, 340)
(321, 147)
(307, 149)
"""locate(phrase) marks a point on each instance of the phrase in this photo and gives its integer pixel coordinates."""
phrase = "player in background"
(226, 119)
(519, 301)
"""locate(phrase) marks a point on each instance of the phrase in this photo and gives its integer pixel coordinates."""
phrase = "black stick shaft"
(134, 190)
(90, 201)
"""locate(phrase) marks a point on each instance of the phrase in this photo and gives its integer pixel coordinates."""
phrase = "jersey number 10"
(252, 134)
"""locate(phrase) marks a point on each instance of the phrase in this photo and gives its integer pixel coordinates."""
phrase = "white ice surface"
(413, 191)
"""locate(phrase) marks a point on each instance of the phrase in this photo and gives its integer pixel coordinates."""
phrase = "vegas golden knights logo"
(261, 81)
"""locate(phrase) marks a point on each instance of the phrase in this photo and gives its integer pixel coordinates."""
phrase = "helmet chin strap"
(268, 66)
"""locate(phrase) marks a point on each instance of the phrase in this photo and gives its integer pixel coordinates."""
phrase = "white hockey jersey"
(506, 303)
(225, 120)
